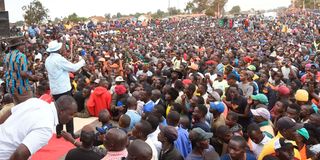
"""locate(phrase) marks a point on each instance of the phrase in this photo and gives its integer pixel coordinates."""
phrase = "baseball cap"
(261, 112)
(251, 68)
(169, 132)
(218, 106)
(97, 81)
(302, 95)
(119, 79)
(285, 123)
(283, 90)
(200, 134)
(215, 95)
(261, 98)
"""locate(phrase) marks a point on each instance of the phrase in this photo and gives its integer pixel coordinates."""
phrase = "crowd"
(199, 88)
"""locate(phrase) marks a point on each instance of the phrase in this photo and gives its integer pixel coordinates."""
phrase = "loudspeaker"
(4, 24)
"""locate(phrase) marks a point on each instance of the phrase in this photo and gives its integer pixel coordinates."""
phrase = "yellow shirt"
(269, 148)
(168, 109)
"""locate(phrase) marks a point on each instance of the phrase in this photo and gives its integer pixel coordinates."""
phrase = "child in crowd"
(235, 127)
(124, 123)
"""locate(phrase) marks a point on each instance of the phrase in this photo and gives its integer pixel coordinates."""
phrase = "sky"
(87, 8)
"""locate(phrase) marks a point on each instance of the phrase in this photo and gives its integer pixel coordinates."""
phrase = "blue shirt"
(58, 72)
(249, 156)
(182, 143)
(148, 107)
(192, 156)
(134, 116)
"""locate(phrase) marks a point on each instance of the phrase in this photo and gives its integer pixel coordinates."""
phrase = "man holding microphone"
(58, 69)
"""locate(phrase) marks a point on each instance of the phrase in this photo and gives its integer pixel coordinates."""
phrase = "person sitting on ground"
(139, 150)
(237, 149)
(115, 142)
(99, 99)
(124, 123)
(167, 136)
(85, 150)
(82, 97)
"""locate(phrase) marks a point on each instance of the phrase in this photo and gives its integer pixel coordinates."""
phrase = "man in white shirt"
(58, 69)
(258, 138)
(141, 131)
(31, 125)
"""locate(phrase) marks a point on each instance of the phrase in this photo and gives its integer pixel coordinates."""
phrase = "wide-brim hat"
(54, 46)
(16, 42)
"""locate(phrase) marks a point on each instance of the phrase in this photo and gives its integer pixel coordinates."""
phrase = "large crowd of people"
(199, 88)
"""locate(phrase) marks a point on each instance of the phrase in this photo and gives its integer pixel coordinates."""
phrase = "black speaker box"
(4, 24)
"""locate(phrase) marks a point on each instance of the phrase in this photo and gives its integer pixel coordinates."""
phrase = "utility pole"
(2, 6)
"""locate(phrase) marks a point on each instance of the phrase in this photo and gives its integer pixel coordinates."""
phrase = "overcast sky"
(62, 8)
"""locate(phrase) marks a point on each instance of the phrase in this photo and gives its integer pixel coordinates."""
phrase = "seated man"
(115, 142)
(85, 151)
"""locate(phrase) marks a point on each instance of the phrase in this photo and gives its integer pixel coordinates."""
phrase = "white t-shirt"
(31, 123)
(154, 138)
(257, 148)
(153, 147)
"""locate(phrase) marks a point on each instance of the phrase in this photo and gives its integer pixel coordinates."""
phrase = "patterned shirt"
(16, 62)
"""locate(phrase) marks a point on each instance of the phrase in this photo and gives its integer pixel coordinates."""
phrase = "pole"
(2, 6)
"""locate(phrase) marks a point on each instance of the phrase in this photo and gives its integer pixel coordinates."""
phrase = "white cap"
(119, 79)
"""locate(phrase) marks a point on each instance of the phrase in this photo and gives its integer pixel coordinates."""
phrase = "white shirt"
(31, 123)
(154, 150)
(58, 72)
(257, 148)
(154, 138)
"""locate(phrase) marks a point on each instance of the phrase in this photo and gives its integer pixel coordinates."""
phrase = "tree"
(107, 16)
(173, 11)
(307, 3)
(35, 12)
(56, 20)
(19, 23)
(119, 15)
(75, 18)
(235, 10)
(201, 5)
(189, 7)
(158, 14)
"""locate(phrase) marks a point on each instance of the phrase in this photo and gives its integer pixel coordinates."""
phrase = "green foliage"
(235, 10)
(75, 18)
(118, 15)
(158, 14)
(190, 8)
(312, 4)
(209, 7)
(35, 12)
(107, 16)
(19, 23)
(173, 11)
